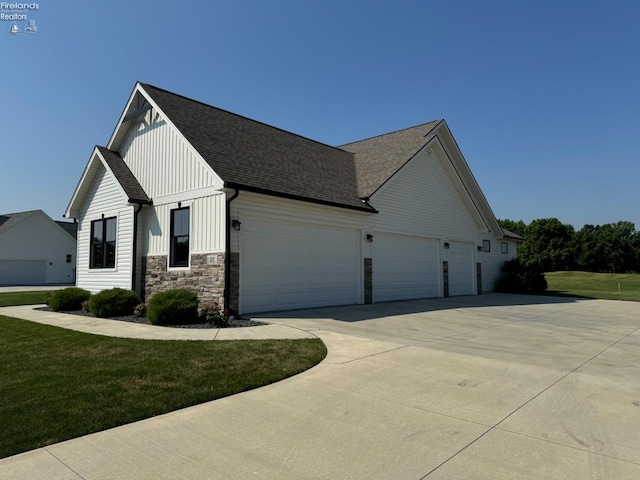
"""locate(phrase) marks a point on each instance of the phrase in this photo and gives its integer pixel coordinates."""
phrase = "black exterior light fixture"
(479, 248)
(447, 245)
(236, 225)
(369, 238)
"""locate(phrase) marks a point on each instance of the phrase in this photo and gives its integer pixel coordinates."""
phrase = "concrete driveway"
(490, 387)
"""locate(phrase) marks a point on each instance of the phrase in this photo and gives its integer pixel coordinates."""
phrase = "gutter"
(140, 203)
(227, 249)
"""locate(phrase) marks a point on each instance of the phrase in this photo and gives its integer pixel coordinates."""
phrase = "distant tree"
(614, 247)
(548, 244)
(518, 227)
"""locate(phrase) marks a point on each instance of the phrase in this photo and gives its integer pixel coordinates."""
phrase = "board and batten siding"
(207, 224)
(162, 161)
(105, 198)
(422, 199)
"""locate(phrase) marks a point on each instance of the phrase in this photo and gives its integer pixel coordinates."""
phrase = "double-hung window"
(179, 250)
(103, 243)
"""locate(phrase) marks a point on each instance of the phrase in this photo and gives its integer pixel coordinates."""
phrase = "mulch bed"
(235, 323)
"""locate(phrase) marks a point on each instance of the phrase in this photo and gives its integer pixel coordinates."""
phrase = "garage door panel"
(290, 265)
(22, 272)
(405, 267)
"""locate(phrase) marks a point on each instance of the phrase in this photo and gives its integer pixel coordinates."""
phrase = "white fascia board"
(454, 153)
(85, 182)
(139, 89)
(72, 208)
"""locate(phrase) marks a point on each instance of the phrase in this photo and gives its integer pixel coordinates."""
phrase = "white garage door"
(22, 272)
(291, 265)
(405, 267)
(461, 268)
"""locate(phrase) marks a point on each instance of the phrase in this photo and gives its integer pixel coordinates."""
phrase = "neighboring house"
(35, 250)
(258, 219)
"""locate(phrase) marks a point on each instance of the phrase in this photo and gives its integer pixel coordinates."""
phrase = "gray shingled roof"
(69, 227)
(257, 157)
(8, 220)
(127, 180)
(378, 158)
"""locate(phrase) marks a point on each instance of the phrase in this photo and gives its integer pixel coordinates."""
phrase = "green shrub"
(520, 278)
(173, 307)
(68, 299)
(114, 302)
(140, 310)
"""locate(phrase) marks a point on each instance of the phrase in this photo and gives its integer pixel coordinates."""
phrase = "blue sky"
(542, 97)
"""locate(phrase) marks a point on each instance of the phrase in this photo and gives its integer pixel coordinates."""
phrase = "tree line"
(553, 245)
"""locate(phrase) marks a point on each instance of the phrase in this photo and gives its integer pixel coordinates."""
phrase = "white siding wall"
(493, 261)
(162, 161)
(105, 198)
(207, 224)
(38, 238)
(422, 199)
(292, 211)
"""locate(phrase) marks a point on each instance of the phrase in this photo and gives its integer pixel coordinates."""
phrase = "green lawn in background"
(22, 298)
(58, 384)
(606, 286)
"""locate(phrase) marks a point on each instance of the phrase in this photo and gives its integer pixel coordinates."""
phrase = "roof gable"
(114, 164)
(253, 156)
(378, 158)
(8, 220)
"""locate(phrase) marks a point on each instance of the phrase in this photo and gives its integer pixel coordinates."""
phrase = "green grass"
(606, 286)
(59, 384)
(8, 299)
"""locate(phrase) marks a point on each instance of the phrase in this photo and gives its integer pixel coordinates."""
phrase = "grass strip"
(605, 286)
(58, 384)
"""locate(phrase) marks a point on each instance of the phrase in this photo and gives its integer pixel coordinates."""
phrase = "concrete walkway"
(490, 387)
(114, 328)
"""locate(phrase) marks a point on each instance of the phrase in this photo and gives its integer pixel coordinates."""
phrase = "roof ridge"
(395, 131)
(242, 117)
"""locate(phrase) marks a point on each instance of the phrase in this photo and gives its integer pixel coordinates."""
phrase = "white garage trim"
(287, 265)
(405, 267)
(461, 268)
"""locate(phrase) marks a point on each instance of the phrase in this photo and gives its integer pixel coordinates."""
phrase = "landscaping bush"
(114, 302)
(68, 299)
(173, 307)
(520, 278)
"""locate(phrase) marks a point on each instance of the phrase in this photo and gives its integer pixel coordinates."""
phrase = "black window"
(505, 247)
(179, 255)
(103, 243)
(486, 245)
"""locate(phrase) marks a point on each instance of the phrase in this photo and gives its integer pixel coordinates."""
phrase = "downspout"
(227, 251)
(135, 249)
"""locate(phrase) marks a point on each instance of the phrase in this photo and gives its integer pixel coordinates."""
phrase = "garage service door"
(461, 268)
(404, 267)
(291, 265)
(22, 272)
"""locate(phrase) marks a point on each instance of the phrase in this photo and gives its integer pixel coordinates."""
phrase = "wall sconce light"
(369, 238)
(447, 244)
(479, 248)
(236, 225)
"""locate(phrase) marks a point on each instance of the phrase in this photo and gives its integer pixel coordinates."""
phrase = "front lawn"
(606, 286)
(59, 384)
(8, 299)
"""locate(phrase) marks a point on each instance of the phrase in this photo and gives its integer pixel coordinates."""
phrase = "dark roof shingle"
(378, 158)
(255, 156)
(125, 177)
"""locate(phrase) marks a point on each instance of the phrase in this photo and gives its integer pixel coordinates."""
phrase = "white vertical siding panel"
(493, 261)
(162, 161)
(106, 199)
(422, 199)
